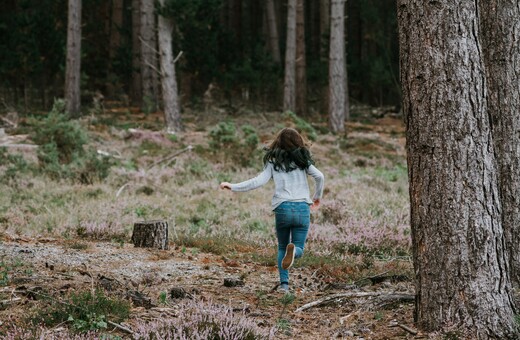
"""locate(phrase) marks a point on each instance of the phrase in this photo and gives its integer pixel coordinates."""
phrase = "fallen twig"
(120, 327)
(385, 296)
(188, 148)
(406, 328)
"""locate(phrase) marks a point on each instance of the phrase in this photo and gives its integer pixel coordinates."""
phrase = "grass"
(364, 209)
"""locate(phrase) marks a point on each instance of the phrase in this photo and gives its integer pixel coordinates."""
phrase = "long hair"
(288, 151)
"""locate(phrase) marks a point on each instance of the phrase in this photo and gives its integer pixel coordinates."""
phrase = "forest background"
(73, 183)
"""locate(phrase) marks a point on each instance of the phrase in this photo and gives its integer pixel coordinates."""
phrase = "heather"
(85, 202)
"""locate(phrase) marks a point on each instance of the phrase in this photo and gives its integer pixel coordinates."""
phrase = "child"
(288, 162)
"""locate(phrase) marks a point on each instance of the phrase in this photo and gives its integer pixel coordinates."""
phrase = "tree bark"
(337, 68)
(151, 234)
(136, 88)
(500, 27)
(461, 267)
(73, 63)
(148, 39)
(301, 78)
(289, 88)
(274, 42)
(168, 80)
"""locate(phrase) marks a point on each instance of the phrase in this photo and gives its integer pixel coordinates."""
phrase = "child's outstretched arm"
(252, 183)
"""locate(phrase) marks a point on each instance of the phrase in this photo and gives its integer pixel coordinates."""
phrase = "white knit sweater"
(289, 186)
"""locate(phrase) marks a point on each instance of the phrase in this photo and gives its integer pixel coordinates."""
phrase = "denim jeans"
(292, 225)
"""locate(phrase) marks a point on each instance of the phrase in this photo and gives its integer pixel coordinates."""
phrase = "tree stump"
(151, 234)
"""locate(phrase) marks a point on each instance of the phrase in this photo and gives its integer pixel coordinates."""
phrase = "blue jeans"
(292, 226)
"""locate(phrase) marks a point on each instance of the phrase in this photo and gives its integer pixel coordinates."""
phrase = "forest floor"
(58, 238)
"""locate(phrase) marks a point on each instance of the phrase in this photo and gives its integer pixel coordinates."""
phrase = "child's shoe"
(288, 259)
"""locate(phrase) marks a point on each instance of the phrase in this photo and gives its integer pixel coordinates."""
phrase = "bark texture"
(149, 74)
(168, 81)
(289, 86)
(462, 280)
(151, 234)
(324, 26)
(500, 31)
(73, 63)
(337, 68)
(274, 42)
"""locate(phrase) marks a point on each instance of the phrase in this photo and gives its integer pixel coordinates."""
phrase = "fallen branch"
(384, 296)
(120, 327)
(404, 327)
(334, 297)
(19, 146)
(169, 157)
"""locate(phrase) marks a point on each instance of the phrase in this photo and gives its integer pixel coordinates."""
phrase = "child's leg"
(283, 233)
(299, 232)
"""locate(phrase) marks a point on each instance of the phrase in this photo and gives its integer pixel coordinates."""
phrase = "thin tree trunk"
(274, 42)
(500, 27)
(136, 86)
(148, 39)
(73, 63)
(462, 281)
(337, 68)
(289, 91)
(168, 80)
(116, 23)
(324, 26)
(301, 78)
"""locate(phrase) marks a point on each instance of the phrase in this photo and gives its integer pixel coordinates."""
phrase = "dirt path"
(62, 267)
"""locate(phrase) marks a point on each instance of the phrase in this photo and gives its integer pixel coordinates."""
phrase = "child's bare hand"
(316, 204)
(225, 185)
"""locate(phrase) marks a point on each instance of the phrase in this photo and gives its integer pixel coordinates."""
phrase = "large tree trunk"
(148, 39)
(501, 33)
(73, 63)
(301, 78)
(289, 88)
(168, 81)
(337, 69)
(274, 43)
(136, 90)
(461, 267)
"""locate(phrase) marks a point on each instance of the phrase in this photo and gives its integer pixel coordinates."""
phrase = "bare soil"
(59, 267)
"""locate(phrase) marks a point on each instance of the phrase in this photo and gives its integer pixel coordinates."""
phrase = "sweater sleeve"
(256, 182)
(319, 179)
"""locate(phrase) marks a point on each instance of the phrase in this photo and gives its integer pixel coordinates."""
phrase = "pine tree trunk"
(301, 78)
(274, 43)
(136, 86)
(148, 39)
(462, 281)
(289, 91)
(168, 80)
(151, 234)
(324, 27)
(337, 68)
(73, 63)
(116, 23)
(501, 33)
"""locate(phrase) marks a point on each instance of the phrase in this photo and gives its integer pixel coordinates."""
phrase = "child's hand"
(314, 205)
(225, 185)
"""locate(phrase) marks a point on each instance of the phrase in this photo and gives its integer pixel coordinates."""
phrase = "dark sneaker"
(288, 259)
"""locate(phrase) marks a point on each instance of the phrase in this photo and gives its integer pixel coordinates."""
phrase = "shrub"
(12, 165)
(234, 146)
(62, 153)
(203, 320)
(85, 311)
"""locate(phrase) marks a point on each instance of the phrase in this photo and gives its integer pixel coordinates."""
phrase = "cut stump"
(151, 234)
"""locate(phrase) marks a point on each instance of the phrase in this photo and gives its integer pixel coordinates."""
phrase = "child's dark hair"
(288, 151)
